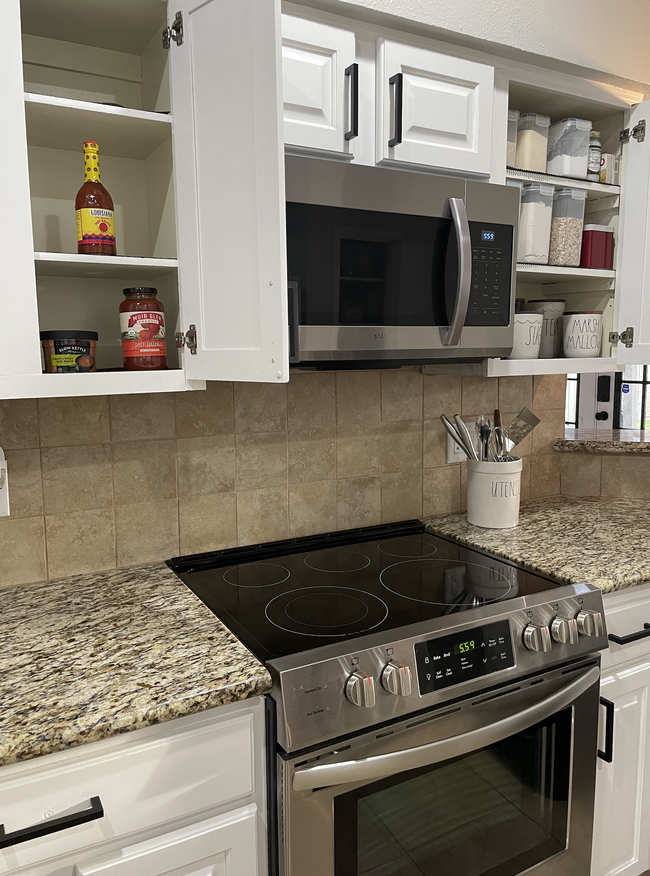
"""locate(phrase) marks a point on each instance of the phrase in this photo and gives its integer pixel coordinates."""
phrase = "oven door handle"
(383, 765)
(464, 242)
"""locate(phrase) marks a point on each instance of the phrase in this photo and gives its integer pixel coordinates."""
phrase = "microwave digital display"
(487, 235)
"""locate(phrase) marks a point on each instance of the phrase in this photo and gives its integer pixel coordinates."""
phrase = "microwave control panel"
(489, 301)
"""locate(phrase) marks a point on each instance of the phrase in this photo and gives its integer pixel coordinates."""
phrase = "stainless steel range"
(436, 707)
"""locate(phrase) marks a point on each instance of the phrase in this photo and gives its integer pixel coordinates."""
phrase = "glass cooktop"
(285, 597)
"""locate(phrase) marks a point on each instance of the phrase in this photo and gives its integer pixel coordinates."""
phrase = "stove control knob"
(565, 630)
(590, 622)
(537, 638)
(360, 690)
(396, 679)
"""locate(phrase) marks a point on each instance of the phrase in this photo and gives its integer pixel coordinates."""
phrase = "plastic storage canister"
(568, 148)
(493, 493)
(566, 227)
(513, 123)
(597, 247)
(532, 135)
(552, 310)
(535, 223)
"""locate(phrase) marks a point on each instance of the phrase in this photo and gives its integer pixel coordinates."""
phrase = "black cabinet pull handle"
(353, 72)
(52, 825)
(608, 754)
(397, 81)
(633, 637)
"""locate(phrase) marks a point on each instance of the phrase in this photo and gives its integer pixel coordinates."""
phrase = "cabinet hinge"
(175, 32)
(187, 340)
(626, 337)
(638, 132)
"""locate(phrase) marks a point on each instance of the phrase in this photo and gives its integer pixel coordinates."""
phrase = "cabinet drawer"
(142, 779)
(626, 612)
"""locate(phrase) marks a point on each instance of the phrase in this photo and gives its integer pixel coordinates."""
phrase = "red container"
(597, 247)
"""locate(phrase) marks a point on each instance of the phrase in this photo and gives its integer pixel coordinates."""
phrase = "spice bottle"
(142, 326)
(94, 209)
(593, 162)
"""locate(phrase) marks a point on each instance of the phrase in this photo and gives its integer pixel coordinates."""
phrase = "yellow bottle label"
(91, 162)
(95, 226)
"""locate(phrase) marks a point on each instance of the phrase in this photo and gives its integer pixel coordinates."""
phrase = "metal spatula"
(522, 425)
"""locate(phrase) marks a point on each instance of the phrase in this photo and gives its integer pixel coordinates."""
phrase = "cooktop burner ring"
(346, 598)
(257, 570)
(488, 586)
(352, 561)
(395, 542)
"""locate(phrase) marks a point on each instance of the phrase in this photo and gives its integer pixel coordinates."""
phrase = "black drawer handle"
(353, 72)
(608, 754)
(633, 637)
(398, 82)
(52, 825)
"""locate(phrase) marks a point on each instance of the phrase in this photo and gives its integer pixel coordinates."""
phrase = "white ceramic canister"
(527, 335)
(583, 334)
(552, 310)
(493, 493)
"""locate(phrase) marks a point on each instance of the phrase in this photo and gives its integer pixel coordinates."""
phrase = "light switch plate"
(4, 486)
(455, 452)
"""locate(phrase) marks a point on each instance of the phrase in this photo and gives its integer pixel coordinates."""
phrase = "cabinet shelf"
(524, 367)
(99, 383)
(62, 123)
(593, 189)
(68, 264)
(553, 274)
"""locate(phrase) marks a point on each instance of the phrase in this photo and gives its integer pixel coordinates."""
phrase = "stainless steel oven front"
(497, 783)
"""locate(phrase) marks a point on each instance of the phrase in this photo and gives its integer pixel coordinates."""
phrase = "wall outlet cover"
(455, 452)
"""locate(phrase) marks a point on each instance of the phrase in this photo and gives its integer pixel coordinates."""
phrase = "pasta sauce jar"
(142, 326)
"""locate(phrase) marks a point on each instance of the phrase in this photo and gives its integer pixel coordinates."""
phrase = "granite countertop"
(604, 542)
(604, 441)
(91, 656)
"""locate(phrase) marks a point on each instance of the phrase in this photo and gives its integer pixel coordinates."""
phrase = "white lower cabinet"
(622, 816)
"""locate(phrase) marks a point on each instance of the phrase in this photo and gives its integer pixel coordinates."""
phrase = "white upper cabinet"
(434, 110)
(229, 173)
(320, 87)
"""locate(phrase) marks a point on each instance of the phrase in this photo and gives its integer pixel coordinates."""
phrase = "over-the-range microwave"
(391, 267)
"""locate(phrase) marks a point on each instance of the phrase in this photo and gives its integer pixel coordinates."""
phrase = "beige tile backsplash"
(100, 483)
(610, 475)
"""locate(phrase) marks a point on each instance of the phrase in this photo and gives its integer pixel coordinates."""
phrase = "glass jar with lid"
(142, 326)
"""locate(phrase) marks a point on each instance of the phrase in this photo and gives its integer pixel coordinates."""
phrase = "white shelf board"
(553, 274)
(593, 189)
(100, 383)
(524, 367)
(62, 123)
(69, 264)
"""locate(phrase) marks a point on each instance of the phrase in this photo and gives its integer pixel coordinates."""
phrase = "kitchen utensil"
(486, 432)
(464, 433)
(522, 425)
(498, 432)
(453, 432)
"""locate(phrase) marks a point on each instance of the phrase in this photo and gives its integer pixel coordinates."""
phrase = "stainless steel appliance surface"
(393, 266)
(434, 709)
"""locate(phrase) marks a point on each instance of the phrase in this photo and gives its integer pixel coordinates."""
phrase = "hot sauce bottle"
(142, 325)
(94, 208)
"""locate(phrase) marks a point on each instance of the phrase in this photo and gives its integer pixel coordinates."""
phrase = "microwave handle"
(461, 226)
(383, 765)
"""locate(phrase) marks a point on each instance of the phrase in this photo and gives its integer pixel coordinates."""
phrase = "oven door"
(498, 784)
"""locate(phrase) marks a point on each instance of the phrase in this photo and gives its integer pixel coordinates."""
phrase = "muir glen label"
(143, 333)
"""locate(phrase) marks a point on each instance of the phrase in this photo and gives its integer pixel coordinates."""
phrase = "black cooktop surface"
(285, 597)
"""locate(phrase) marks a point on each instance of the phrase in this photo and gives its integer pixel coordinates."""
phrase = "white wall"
(603, 35)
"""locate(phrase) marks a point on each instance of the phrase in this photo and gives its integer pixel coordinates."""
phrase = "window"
(572, 400)
(632, 400)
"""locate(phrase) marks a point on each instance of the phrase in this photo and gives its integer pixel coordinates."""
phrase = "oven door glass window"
(495, 812)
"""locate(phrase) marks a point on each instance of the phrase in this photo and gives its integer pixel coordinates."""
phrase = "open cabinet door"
(226, 90)
(633, 250)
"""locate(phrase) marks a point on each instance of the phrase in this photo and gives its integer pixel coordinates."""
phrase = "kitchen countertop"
(604, 542)
(91, 656)
(604, 441)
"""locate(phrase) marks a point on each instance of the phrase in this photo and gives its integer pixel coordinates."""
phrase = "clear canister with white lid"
(566, 227)
(532, 136)
(568, 148)
(535, 223)
(513, 122)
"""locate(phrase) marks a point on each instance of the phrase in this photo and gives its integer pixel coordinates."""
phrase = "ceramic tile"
(144, 471)
(77, 478)
(261, 460)
(22, 557)
(25, 486)
(66, 421)
(515, 393)
(312, 455)
(401, 496)
(548, 431)
(18, 424)
(311, 401)
(312, 508)
(525, 479)
(358, 398)
(262, 515)
(260, 407)
(625, 476)
(480, 395)
(142, 417)
(580, 474)
(549, 392)
(206, 465)
(358, 451)
(156, 540)
(401, 396)
(358, 502)
(544, 475)
(207, 523)
(202, 413)
(441, 490)
(81, 542)
(442, 395)
(401, 446)
(435, 444)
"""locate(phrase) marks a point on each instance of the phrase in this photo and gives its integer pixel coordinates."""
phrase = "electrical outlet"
(4, 486)
(455, 452)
